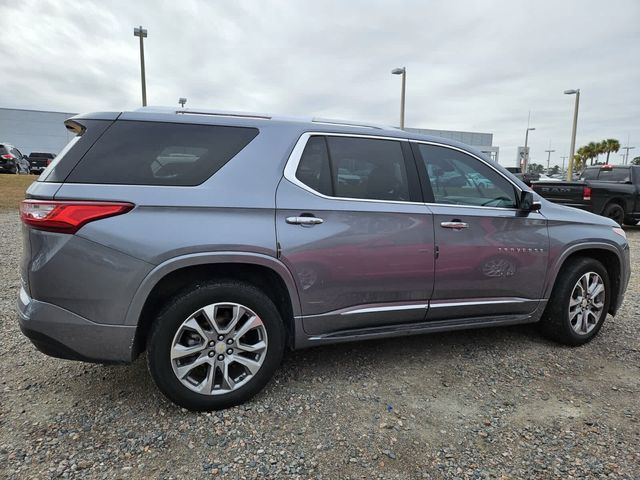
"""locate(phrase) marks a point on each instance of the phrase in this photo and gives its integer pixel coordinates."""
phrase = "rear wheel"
(579, 303)
(216, 346)
(615, 212)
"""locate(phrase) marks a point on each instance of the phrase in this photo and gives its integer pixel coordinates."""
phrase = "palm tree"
(612, 145)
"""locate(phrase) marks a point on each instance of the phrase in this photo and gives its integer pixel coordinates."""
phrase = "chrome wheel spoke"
(207, 384)
(180, 351)
(254, 348)
(251, 365)
(193, 324)
(184, 370)
(228, 383)
(253, 322)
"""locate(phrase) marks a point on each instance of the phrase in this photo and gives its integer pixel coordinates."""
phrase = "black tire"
(615, 212)
(555, 323)
(178, 309)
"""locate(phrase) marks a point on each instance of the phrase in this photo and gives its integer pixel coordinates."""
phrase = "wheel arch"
(606, 254)
(176, 274)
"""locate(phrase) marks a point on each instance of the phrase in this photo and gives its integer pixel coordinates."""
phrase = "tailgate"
(567, 193)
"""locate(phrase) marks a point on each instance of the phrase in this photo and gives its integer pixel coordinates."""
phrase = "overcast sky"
(471, 65)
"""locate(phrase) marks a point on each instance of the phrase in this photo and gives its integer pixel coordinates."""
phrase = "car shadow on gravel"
(132, 383)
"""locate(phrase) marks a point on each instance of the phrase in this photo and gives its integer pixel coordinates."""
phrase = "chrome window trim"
(296, 155)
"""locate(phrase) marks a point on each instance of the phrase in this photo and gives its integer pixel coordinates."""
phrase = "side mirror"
(528, 203)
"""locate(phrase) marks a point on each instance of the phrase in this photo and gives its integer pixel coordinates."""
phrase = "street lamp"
(525, 164)
(401, 71)
(182, 101)
(142, 33)
(572, 152)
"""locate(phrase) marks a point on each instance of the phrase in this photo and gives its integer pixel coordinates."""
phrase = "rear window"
(590, 174)
(152, 153)
(615, 175)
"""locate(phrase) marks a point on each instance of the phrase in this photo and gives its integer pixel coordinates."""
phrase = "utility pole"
(142, 33)
(563, 159)
(549, 158)
(626, 155)
(526, 150)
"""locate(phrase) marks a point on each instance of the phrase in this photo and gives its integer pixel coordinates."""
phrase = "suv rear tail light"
(586, 193)
(67, 216)
(7, 156)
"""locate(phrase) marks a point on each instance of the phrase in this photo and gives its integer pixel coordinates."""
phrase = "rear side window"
(152, 153)
(351, 167)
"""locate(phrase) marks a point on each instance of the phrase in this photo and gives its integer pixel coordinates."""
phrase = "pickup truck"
(612, 191)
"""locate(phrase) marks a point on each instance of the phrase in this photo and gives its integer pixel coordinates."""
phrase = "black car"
(11, 160)
(38, 161)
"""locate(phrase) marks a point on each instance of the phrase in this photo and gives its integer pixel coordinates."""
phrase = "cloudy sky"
(471, 65)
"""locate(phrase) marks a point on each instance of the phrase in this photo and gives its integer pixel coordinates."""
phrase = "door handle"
(454, 224)
(305, 221)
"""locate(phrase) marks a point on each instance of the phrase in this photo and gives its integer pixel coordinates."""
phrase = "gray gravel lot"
(494, 403)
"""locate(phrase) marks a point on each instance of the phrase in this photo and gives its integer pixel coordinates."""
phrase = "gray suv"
(215, 240)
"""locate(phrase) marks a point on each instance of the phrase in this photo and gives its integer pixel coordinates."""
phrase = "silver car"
(216, 240)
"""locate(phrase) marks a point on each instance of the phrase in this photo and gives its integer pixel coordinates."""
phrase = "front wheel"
(579, 302)
(215, 346)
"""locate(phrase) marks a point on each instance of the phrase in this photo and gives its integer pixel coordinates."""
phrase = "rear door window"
(354, 167)
(153, 153)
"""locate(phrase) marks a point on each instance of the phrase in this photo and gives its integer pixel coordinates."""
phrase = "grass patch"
(12, 188)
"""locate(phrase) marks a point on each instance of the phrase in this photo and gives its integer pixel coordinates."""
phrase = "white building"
(42, 131)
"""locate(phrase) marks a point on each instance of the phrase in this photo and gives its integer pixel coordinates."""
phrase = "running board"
(420, 328)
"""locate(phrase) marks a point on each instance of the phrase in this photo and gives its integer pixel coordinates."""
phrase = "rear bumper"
(63, 334)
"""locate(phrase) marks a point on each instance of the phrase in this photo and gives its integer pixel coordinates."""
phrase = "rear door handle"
(454, 224)
(304, 220)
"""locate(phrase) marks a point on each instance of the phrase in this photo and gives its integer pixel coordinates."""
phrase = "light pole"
(182, 101)
(142, 33)
(526, 150)
(626, 155)
(572, 151)
(401, 71)
(549, 158)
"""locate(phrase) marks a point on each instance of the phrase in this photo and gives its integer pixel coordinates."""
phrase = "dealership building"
(44, 131)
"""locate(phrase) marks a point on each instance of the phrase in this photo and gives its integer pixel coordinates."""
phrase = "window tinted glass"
(589, 174)
(152, 153)
(368, 168)
(313, 169)
(459, 179)
(615, 175)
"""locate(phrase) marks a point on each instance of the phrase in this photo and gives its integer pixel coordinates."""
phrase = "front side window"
(353, 167)
(459, 179)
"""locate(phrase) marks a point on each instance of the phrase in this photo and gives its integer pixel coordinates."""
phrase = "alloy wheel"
(219, 348)
(586, 303)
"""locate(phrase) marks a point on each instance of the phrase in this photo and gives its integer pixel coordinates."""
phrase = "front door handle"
(304, 220)
(454, 224)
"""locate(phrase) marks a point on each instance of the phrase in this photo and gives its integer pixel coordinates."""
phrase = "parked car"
(612, 191)
(526, 178)
(11, 160)
(38, 161)
(269, 232)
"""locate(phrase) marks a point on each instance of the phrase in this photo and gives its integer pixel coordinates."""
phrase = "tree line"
(591, 152)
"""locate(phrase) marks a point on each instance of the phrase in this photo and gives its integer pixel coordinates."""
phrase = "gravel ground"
(494, 403)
